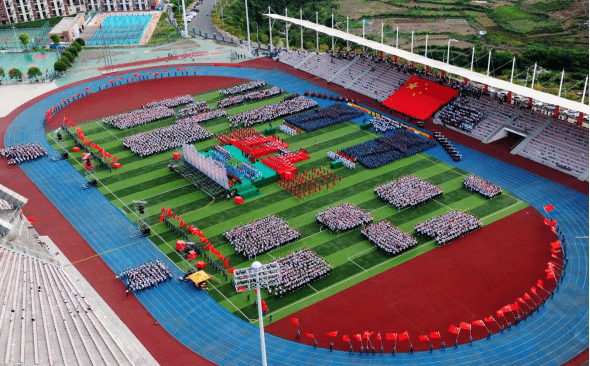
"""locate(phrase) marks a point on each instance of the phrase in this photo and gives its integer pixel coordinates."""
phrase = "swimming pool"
(120, 29)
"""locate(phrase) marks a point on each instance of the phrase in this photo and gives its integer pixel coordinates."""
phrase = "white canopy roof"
(470, 75)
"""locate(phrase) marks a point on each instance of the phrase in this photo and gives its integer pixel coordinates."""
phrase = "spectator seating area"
(388, 237)
(460, 115)
(383, 124)
(299, 269)
(242, 88)
(528, 121)
(449, 226)
(46, 320)
(562, 145)
(145, 275)
(323, 65)
(343, 217)
(324, 117)
(272, 111)
(138, 117)
(194, 108)
(481, 186)
(407, 191)
(385, 149)
(172, 102)
(261, 236)
(158, 140)
(18, 154)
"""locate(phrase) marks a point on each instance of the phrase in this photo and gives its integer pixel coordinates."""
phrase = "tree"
(55, 39)
(60, 66)
(263, 39)
(73, 51)
(68, 55)
(77, 46)
(65, 60)
(1, 72)
(24, 39)
(15, 74)
(80, 41)
(34, 72)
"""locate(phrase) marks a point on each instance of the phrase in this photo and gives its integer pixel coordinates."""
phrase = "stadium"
(400, 216)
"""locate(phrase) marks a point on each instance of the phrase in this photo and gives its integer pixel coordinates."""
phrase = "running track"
(559, 334)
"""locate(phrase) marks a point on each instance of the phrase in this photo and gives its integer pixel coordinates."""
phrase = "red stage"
(251, 142)
(419, 98)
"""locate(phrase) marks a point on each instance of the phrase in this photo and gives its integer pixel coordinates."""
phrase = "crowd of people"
(299, 269)
(343, 217)
(138, 117)
(385, 149)
(238, 89)
(162, 139)
(146, 275)
(193, 108)
(323, 117)
(252, 96)
(449, 226)
(18, 154)
(388, 237)
(383, 124)
(260, 236)
(460, 115)
(172, 102)
(481, 186)
(205, 116)
(272, 111)
(407, 191)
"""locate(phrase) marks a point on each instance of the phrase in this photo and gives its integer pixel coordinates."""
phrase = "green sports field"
(354, 258)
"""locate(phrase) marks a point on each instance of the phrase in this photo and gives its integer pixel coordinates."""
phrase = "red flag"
(489, 319)
(423, 338)
(390, 336)
(548, 208)
(232, 270)
(550, 275)
(499, 313)
(554, 229)
(534, 290)
(527, 296)
(309, 335)
(162, 217)
(358, 337)
(378, 337)
(521, 300)
(479, 323)
(30, 219)
(345, 338)
(434, 335)
(264, 307)
(367, 334)
(403, 336)
(241, 289)
(465, 326)
(553, 222)
(332, 334)
(453, 329)
(547, 222)
(556, 244)
(295, 321)
(226, 263)
(507, 309)
(540, 283)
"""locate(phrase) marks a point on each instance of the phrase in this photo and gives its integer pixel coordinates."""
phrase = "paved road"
(203, 20)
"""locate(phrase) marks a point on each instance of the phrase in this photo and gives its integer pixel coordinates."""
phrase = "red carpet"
(419, 98)
(469, 279)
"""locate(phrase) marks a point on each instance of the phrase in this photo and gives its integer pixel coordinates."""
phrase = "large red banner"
(420, 98)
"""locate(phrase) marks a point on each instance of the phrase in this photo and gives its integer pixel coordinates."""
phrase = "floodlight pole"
(584, 92)
(317, 34)
(412, 44)
(257, 266)
(512, 73)
(332, 29)
(472, 57)
(184, 19)
(489, 62)
(287, 30)
(561, 83)
(347, 43)
(248, 29)
(301, 19)
(449, 52)
(381, 33)
(270, 30)
(426, 47)
(396, 35)
(534, 74)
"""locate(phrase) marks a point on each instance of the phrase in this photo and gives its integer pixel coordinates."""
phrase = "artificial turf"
(354, 258)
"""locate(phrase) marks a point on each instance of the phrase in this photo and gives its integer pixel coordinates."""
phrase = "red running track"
(162, 346)
(467, 280)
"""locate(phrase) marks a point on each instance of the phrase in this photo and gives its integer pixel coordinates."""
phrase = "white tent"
(447, 68)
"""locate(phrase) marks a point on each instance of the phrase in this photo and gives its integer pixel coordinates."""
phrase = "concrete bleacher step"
(531, 136)
(342, 69)
(303, 61)
(360, 75)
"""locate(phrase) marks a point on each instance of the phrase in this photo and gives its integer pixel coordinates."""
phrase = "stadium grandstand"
(268, 243)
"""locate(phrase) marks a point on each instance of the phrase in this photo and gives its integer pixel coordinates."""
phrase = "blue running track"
(558, 333)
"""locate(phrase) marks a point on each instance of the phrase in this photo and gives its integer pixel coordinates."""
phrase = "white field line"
(358, 265)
